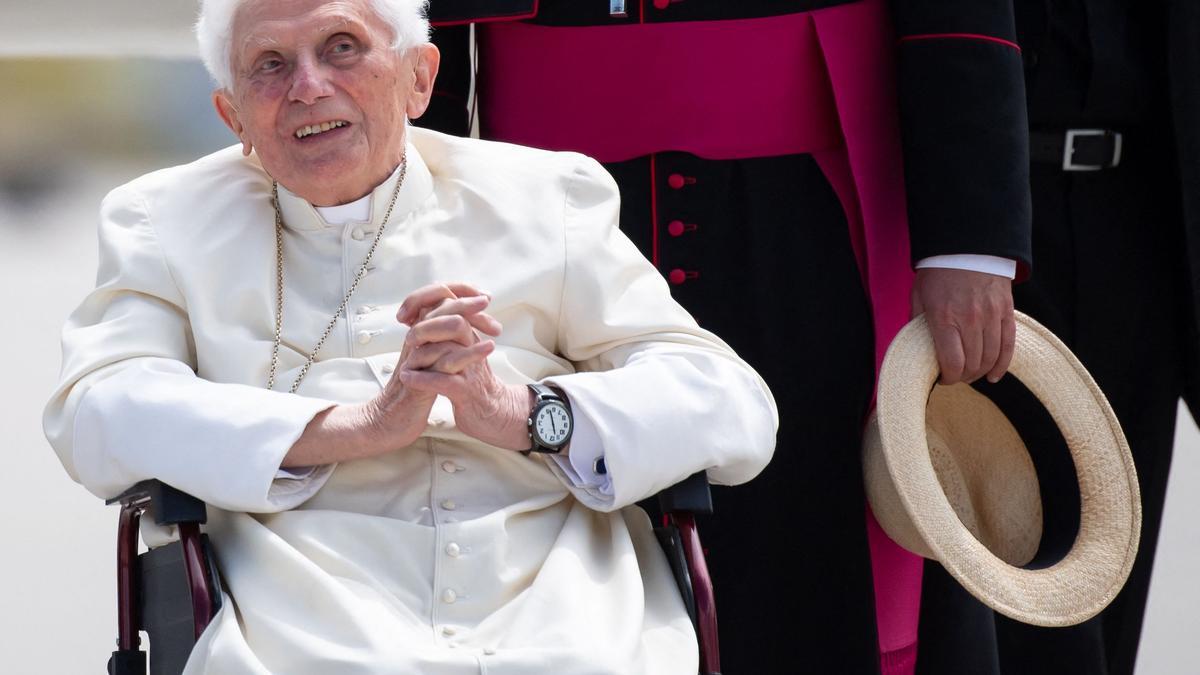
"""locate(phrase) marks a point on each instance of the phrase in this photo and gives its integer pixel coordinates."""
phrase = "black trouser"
(1108, 258)
(773, 274)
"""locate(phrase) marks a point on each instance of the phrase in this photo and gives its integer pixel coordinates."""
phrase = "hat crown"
(985, 470)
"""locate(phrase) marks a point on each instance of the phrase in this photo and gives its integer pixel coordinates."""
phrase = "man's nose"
(309, 83)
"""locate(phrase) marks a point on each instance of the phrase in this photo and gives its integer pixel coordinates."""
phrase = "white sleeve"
(666, 398)
(972, 262)
(130, 406)
(580, 465)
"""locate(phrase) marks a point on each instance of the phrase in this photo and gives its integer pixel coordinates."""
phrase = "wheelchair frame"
(185, 573)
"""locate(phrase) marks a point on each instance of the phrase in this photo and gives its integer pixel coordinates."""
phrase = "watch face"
(552, 424)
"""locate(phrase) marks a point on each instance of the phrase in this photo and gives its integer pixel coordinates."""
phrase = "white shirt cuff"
(295, 472)
(988, 264)
(580, 464)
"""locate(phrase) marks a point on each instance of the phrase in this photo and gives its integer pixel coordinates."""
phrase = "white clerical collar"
(358, 211)
(298, 214)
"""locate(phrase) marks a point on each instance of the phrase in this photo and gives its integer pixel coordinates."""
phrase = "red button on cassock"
(676, 228)
(675, 181)
(661, 4)
(677, 276)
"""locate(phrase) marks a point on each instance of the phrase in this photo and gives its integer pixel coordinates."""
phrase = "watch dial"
(553, 424)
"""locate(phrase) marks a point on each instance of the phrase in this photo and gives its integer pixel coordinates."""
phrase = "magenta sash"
(858, 44)
(619, 92)
(820, 83)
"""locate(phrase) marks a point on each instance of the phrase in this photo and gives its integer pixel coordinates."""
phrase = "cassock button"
(678, 276)
(453, 550)
(661, 4)
(449, 504)
(387, 368)
(364, 337)
(448, 631)
(675, 228)
(358, 234)
(488, 651)
(365, 309)
(675, 180)
(449, 467)
(449, 596)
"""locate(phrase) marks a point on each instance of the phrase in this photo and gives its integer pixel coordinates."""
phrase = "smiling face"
(321, 96)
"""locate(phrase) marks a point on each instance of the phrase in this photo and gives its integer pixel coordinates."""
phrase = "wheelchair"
(173, 591)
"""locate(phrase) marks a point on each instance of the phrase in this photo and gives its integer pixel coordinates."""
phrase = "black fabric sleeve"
(964, 129)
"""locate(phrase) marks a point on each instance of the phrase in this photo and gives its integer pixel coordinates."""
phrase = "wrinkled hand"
(970, 316)
(400, 413)
(444, 354)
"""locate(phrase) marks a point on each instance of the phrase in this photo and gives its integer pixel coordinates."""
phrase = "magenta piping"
(961, 36)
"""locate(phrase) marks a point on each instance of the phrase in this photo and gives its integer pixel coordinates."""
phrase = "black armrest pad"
(168, 505)
(691, 495)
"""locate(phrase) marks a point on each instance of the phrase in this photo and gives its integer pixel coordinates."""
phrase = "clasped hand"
(445, 352)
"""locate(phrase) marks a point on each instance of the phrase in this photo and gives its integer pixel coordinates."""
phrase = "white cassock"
(447, 556)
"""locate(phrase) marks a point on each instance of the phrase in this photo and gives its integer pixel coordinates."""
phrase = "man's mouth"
(315, 129)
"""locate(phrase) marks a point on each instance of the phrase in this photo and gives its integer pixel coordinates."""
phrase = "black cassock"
(768, 265)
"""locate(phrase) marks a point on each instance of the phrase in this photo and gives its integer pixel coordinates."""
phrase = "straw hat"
(949, 478)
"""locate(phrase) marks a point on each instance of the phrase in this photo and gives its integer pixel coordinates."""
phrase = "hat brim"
(1097, 565)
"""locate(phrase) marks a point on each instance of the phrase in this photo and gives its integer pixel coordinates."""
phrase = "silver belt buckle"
(1069, 163)
(616, 8)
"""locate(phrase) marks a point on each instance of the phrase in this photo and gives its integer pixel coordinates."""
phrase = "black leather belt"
(1077, 149)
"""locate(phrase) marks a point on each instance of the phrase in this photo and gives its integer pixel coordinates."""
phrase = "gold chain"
(362, 271)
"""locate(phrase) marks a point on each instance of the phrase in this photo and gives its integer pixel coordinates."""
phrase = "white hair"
(214, 30)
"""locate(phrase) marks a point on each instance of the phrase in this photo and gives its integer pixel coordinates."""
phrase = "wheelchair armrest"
(168, 505)
(691, 495)
(681, 542)
(183, 571)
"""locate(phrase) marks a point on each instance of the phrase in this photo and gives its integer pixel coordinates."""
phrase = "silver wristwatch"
(550, 424)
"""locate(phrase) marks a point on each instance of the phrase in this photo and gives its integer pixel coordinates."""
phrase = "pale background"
(129, 98)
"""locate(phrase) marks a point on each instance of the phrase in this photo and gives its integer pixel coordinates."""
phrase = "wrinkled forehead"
(279, 23)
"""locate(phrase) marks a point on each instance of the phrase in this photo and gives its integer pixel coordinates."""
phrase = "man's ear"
(229, 115)
(425, 69)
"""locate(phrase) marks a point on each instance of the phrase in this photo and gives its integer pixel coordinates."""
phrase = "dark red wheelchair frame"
(173, 592)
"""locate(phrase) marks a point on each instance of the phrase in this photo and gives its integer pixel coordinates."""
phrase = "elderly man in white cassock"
(347, 334)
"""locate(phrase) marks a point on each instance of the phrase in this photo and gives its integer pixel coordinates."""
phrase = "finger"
(470, 307)
(1008, 342)
(425, 356)
(948, 344)
(452, 387)
(427, 297)
(423, 298)
(449, 357)
(441, 329)
(991, 347)
(458, 360)
(972, 346)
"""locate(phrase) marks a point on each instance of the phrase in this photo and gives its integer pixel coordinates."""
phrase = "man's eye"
(342, 48)
(269, 65)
